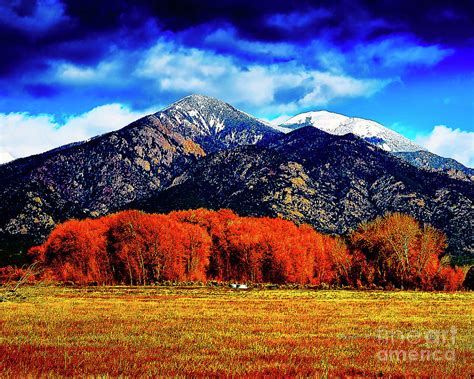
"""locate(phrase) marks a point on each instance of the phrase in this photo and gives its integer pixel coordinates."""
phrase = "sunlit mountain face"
(76, 69)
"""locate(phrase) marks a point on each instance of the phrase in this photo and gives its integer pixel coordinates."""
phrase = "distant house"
(239, 286)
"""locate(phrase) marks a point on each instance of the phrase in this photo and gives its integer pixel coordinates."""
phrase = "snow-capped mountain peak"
(338, 124)
(210, 121)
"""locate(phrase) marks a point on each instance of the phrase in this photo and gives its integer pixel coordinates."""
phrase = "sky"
(73, 69)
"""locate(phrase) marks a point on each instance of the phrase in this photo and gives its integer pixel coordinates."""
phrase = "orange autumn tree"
(137, 248)
(252, 248)
(288, 253)
(133, 247)
(340, 260)
(76, 251)
(196, 244)
(147, 248)
(399, 252)
(271, 250)
(128, 247)
(216, 223)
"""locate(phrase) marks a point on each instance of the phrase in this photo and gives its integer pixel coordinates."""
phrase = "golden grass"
(113, 331)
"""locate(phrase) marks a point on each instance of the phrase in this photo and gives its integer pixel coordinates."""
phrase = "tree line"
(132, 247)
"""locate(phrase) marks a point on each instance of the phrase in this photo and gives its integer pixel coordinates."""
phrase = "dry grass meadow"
(201, 331)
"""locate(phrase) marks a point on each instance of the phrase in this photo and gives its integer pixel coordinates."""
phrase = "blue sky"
(74, 69)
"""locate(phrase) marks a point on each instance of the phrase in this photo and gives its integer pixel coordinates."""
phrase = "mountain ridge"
(335, 123)
(380, 136)
(103, 174)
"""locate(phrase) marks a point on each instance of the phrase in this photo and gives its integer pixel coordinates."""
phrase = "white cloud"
(177, 69)
(5, 157)
(23, 134)
(174, 68)
(452, 143)
(385, 57)
(400, 51)
(168, 68)
(111, 73)
(327, 86)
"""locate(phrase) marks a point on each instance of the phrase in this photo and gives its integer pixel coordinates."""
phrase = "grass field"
(126, 331)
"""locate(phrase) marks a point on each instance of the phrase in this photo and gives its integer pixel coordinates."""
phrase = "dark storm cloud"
(433, 21)
(34, 31)
(94, 46)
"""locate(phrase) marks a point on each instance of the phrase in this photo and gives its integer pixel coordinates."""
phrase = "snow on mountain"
(338, 124)
(5, 157)
(214, 124)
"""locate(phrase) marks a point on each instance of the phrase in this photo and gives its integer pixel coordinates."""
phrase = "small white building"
(239, 286)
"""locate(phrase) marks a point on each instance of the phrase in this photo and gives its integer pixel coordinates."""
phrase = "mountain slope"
(430, 161)
(90, 179)
(331, 182)
(102, 175)
(203, 152)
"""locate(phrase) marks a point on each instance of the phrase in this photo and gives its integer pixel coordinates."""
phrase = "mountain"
(200, 151)
(331, 182)
(380, 136)
(213, 124)
(104, 174)
(338, 124)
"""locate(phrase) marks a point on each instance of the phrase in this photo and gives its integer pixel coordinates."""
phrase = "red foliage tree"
(76, 251)
(216, 224)
(449, 279)
(147, 248)
(138, 248)
(399, 252)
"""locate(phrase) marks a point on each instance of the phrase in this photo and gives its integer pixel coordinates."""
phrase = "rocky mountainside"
(213, 124)
(331, 182)
(104, 174)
